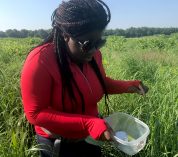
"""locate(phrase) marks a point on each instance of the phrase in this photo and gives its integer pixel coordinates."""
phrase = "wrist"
(95, 127)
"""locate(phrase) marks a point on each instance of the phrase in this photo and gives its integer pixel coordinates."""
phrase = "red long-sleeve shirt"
(41, 90)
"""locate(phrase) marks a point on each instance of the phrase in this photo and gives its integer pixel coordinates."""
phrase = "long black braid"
(98, 73)
(75, 18)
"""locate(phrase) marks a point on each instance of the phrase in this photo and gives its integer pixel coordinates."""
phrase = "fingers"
(111, 131)
(143, 89)
(107, 135)
(134, 89)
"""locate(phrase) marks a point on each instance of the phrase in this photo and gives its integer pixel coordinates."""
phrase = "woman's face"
(82, 48)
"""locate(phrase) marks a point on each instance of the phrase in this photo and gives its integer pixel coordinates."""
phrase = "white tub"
(135, 130)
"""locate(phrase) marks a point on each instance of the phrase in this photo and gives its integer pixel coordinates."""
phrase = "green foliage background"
(153, 59)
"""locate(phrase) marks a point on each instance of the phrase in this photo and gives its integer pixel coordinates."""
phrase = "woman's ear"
(66, 38)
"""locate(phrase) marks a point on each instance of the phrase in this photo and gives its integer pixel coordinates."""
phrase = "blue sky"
(36, 14)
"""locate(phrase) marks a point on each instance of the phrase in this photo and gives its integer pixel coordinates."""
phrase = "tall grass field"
(154, 60)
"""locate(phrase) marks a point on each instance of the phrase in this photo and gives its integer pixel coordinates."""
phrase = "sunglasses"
(86, 46)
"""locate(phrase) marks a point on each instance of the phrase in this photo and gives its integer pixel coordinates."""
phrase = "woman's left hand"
(141, 89)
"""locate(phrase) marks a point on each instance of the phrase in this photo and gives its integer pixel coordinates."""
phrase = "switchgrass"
(154, 60)
(158, 69)
(15, 132)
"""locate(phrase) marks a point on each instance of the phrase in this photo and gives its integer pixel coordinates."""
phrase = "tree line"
(130, 32)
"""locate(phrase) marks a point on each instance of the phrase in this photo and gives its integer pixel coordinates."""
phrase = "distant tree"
(42, 33)
(120, 32)
(31, 33)
(109, 32)
(24, 33)
(13, 33)
(2, 34)
(130, 32)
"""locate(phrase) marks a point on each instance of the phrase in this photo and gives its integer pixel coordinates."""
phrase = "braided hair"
(75, 18)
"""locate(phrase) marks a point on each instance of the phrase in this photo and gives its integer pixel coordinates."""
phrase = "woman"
(63, 79)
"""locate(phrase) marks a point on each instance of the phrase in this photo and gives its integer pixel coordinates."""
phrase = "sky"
(36, 14)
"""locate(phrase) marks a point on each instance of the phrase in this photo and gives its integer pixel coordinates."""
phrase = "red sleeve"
(119, 86)
(115, 86)
(36, 88)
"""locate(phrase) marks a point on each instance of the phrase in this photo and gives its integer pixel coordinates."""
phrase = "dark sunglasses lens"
(87, 46)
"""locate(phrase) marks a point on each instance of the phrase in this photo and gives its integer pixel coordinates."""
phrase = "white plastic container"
(125, 125)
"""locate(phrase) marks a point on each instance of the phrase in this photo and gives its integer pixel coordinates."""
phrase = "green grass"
(154, 60)
(157, 68)
(15, 132)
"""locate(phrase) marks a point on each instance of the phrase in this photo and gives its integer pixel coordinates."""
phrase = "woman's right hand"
(105, 136)
(108, 134)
